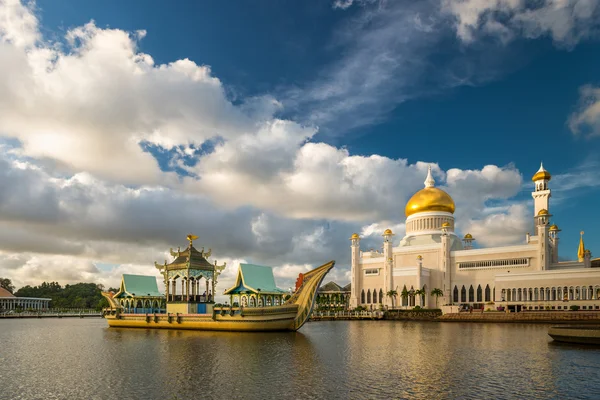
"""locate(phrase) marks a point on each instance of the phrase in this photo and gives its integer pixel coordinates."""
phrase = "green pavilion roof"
(255, 278)
(138, 286)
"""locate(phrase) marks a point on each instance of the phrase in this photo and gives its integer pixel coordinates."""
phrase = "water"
(83, 359)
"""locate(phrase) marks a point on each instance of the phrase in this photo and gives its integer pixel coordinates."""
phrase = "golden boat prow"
(290, 316)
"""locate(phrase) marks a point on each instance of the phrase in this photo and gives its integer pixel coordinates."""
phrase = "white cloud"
(565, 21)
(502, 228)
(585, 120)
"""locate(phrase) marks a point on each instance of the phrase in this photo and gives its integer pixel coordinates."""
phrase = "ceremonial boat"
(198, 312)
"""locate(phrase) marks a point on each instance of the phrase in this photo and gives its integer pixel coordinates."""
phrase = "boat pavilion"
(139, 294)
(196, 274)
(255, 287)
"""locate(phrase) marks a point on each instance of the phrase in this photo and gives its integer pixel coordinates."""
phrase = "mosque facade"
(432, 258)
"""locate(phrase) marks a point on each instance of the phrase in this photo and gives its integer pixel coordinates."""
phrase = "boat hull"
(575, 334)
(254, 320)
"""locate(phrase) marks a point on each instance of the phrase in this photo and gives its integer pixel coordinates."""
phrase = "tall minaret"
(542, 221)
(446, 266)
(388, 266)
(541, 195)
(355, 273)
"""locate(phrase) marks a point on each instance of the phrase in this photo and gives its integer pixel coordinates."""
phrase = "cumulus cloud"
(501, 228)
(585, 120)
(565, 21)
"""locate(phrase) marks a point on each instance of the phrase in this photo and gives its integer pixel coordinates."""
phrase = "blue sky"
(412, 82)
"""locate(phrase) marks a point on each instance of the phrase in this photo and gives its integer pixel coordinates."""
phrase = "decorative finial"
(419, 257)
(429, 181)
(581, 248)
(191, 238)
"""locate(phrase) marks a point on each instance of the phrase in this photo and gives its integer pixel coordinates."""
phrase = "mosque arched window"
(252, 301)
(369, 296)
(463, 294)
(471, 294)
(374, 296)
(455, 294)
(362, 296)
(487, 293)
(479, 294)
(380, 296)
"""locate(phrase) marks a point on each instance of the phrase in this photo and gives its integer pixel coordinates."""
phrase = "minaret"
(543, 231)
(388, 266)
(553, 231)
(355, 273)
(419, 283)
(446, 268)
(541, 195)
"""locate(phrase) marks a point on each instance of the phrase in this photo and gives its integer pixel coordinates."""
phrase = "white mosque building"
(431, 256)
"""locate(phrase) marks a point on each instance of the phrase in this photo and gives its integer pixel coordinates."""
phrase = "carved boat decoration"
(290, 316)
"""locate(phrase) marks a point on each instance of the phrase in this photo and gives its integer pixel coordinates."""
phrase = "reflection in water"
(82, 359)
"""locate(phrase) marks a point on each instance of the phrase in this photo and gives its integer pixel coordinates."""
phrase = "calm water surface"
(83, 359)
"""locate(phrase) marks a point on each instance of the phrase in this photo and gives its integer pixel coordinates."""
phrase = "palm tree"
(437, 293)
(404, 294)
(411, 293)
(422, 293)
(392, 294)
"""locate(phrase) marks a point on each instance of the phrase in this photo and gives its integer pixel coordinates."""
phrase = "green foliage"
(7, 284)
(79, 295)
(437, 293)
(417, 308)
(574, 308)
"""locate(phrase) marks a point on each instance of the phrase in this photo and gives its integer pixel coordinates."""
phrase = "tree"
(437, 293)
(404, 294)
(422, 293)
(411, 293)
(392, 294)
(7, 284)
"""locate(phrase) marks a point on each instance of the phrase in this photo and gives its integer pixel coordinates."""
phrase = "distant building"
(9, 302)
(139, 294)
(255, 287)
(432, 257)
(332, 294)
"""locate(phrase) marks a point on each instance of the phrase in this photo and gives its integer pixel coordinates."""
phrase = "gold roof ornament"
(554, 228)
(419, 257)
(429, 198)
(388, 232)
(541, 174)
(191, 238)
(468, 236)
(354, 236)
(446, 225)
(581, 248)
(543, 211)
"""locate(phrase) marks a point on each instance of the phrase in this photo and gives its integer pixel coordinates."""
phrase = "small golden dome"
(354, 236)
(541, 174)
(388, 232)
(554, 227)
(543, 211)
(429, 199)
(468, 236)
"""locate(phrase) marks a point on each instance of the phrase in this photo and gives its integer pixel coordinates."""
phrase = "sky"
(275, 130)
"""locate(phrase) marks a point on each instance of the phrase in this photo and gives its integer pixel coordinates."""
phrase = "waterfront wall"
(554, 317)
(412, 315)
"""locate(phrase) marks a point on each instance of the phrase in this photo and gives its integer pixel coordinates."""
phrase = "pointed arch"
(479, 294)
(362, 296)
(471, 294)
(404, 298)
(380, 295)
(369, 296)
(455, 294)
(463, 294)
(487, 293)
(374, 296)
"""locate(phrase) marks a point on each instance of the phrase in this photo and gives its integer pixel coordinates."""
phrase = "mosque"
(432, 258)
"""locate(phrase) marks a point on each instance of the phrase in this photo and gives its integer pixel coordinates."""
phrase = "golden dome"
(355, 236)
(543, 211)
(388, 232)
(468, 236)
(541, 174)
(554, 227)
(429, 199)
